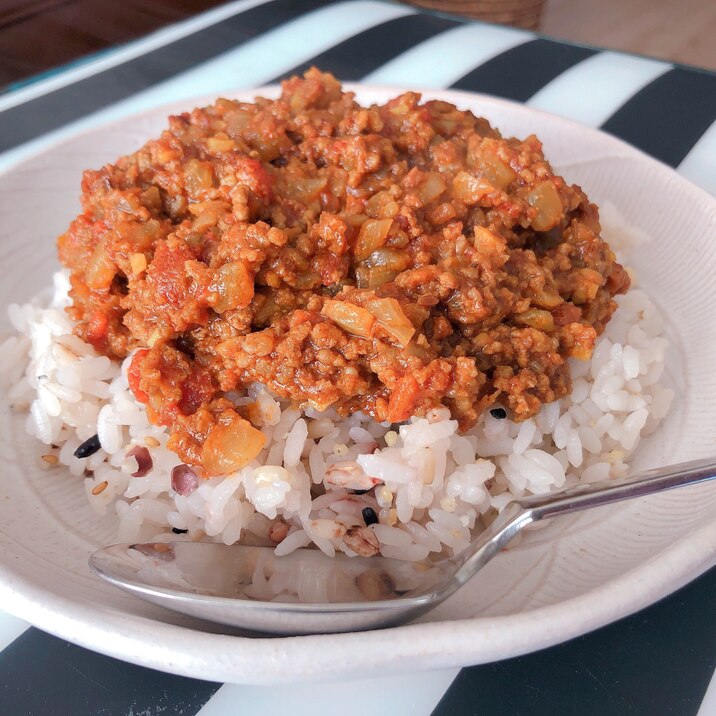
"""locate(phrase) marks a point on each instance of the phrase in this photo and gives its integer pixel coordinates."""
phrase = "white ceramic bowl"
(566, 579)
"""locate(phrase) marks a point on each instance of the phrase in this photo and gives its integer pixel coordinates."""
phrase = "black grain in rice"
(88, 447)
(369, 516)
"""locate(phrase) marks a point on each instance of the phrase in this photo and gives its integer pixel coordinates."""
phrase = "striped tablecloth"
(659, 661)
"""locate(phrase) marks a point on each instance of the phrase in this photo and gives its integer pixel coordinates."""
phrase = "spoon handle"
(526, 510)
(644, 483)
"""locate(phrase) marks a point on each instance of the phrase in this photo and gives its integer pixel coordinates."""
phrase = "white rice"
(436, 486)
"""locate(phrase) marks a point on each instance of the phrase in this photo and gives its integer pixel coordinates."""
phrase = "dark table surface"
(73, 29)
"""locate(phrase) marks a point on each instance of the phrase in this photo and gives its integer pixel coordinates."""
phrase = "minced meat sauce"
(387, 259)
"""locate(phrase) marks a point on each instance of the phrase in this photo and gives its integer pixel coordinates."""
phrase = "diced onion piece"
(391, 317)
(152, 198)
(207, 213)
(306, 280)
(442, 213)
(356, 220)
(491, 247)
(432, 187)
(485, 159)
(138, 262)
(378, 275)
(307, 189)
(375, 276)
(390, 258)
(143, 235)
(204, 221)
(266, 308)
(488, 241)
(536, 318)
(231, 443)
(351, 318)
(237, 121)
(547, 299)
(198, 176)
(416, 313)
(382, 205)
(382, 266)
(581, 352)
(470, 189)
(337, 180)
(100, 269)
(372, 235)
(416, 350)
(588, 282)
(219, 144)
(545, 198)
(232, 287)
(583, 338)
(362, 275)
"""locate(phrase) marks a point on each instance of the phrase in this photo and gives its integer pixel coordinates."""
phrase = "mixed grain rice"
(428, 486)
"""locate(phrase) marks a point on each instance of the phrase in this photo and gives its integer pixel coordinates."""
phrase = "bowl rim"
(451, 643)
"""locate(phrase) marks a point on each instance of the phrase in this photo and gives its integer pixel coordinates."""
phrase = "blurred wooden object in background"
(681, 31)
(37, 35)
(518, 13)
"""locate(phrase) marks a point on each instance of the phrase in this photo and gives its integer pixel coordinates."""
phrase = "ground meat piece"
(388, 259)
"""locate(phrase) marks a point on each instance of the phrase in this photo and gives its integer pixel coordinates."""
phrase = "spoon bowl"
(321, 594)
(307, 592)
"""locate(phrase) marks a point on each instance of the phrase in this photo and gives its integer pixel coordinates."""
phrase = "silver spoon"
(309, 593)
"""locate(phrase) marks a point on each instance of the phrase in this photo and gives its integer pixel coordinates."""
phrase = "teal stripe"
(54, 71)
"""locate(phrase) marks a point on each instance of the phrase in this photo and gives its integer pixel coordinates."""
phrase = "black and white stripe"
(668, 116)
(522, 71)
(658, 661)
(366, 52)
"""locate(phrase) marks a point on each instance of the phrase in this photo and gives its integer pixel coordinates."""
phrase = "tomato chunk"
(134, 375)
(403, 399)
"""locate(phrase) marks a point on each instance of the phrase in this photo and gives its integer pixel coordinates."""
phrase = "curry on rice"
(387, 259)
